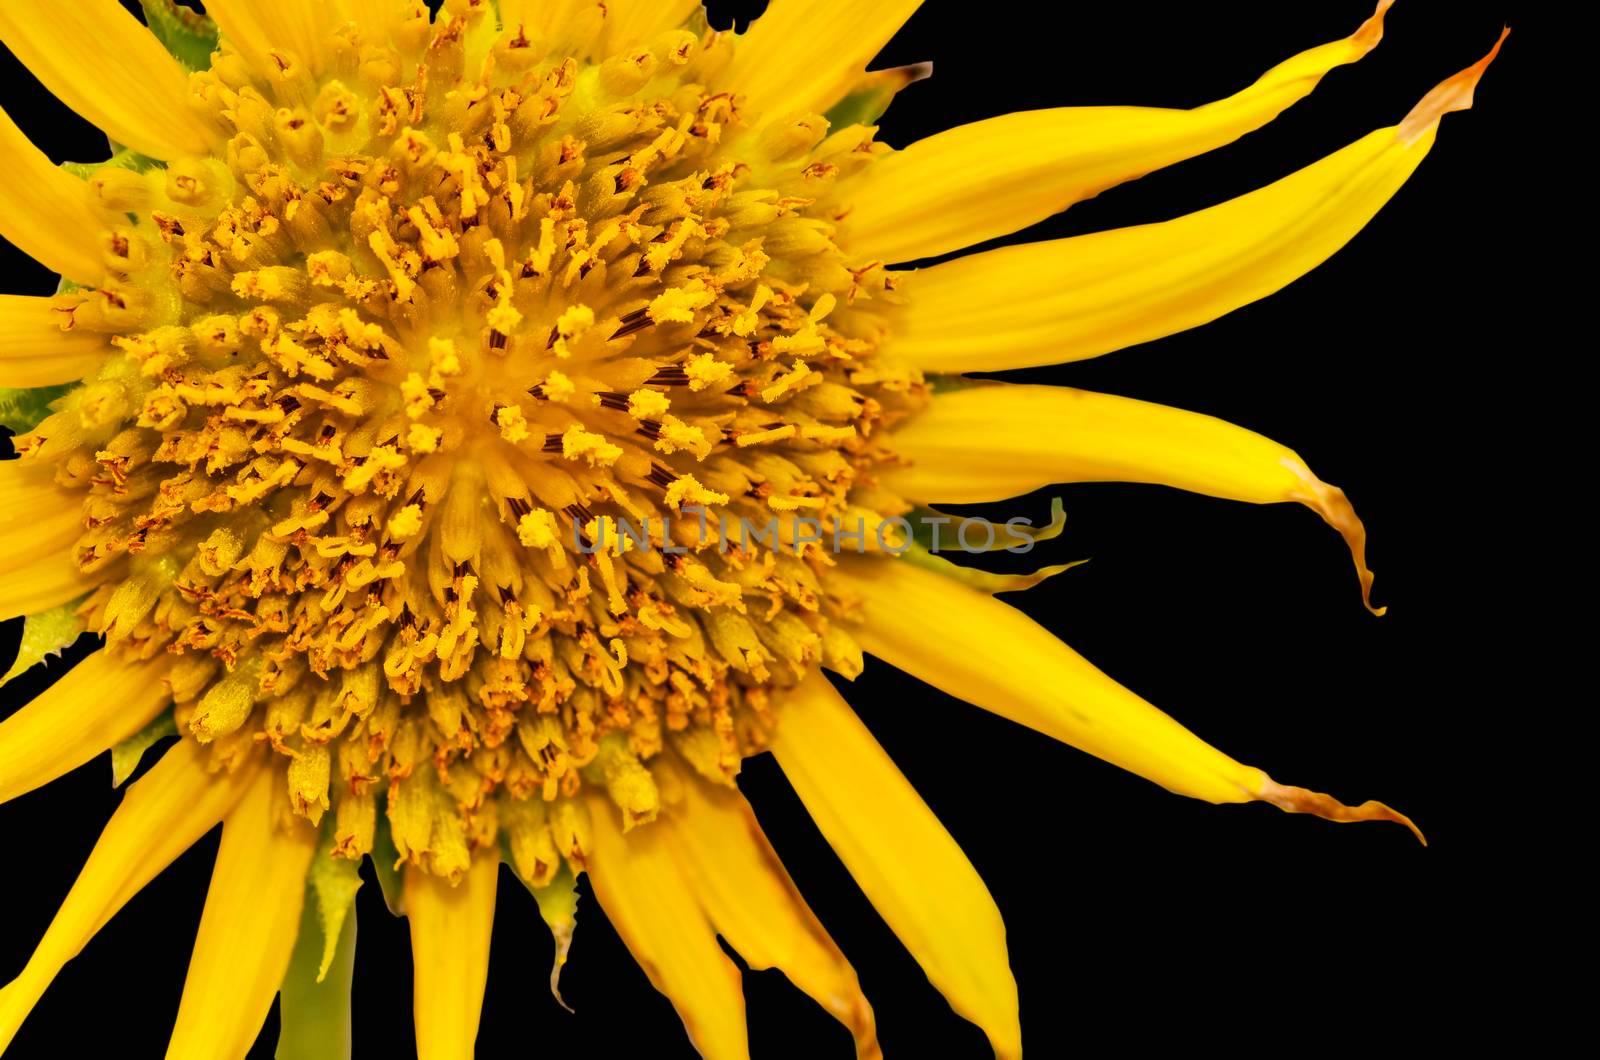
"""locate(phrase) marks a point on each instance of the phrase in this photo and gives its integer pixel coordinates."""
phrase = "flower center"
(433, 382)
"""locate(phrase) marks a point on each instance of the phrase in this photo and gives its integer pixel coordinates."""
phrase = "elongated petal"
(992, 442)
(41, 582)
(37, 517)
(298, 26)
(1069, 299)
(161, 816)
(1019, 670)
(450, 929)
(994, 177)
(907, 864)
(755, 905)
(803, 55)
(248, 928)
(563, 25)
(93, 707)
(654, 909)
(375, 17)
(34, 351)
(632, 22)
(97, 58)
(46, 211)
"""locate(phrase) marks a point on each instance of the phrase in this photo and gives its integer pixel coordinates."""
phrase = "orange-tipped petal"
(1454, 93)
(755, 905)
(987, 443)
(1020, 670)
(1303, 800)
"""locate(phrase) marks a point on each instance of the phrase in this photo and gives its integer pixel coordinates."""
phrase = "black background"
(1402, 370)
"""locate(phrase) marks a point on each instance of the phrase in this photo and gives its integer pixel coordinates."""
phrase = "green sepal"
(190, 36)
(45, 634)
(866, 102)
(921, 520)
(335, 882)
(558, 907)
(384, 858)
(947, 383)
(314, 998)
(982, 580)
(125, 756)
(22, 408)
(123, 159)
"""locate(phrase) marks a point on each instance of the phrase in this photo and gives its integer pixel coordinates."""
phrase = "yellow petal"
(562, 25)
(755, 905)
(97, 59)
(1065, 300)
(450, 929)
(1452, 94)
(298, 27)
(987, 443)
(631, 22)
(994, 177)
(34, 351)
(376, 17)
(907, 864)
(248, 928)
(654, 909)
(37, 517)
(41, 582)
(93, 707)
(804, 55)
(46, 211)
(1019, 670)
(161, 816)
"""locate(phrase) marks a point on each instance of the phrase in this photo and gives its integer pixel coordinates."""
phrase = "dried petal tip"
(1370, 32)
(1454, 93)
(1303, 800)
(1336, 510)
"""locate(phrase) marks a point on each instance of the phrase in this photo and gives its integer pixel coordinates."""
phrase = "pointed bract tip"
(911, 73)
(1370, 32)
(1303, 800)
(1454, 93)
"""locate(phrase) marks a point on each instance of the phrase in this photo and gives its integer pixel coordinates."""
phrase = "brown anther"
(632, 324)
(670, 376)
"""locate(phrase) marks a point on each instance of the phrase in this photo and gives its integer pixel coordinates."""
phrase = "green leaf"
(190, 36)
(45, 634)
(865, 103)
(126, 755)
(22, 408)
(314, 998)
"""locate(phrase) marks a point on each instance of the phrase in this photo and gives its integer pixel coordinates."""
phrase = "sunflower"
(474, 434)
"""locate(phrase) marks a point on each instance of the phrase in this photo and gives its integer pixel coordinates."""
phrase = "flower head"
(460, 420)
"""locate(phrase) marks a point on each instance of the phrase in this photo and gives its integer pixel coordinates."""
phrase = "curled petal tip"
(1370, 32)
(1303, 800)
(1336, 510)
(1454, 93)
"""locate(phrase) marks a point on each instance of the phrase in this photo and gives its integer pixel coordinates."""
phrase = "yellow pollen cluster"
(423, 375)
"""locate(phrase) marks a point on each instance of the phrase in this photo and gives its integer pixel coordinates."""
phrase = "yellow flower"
(408, 375)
